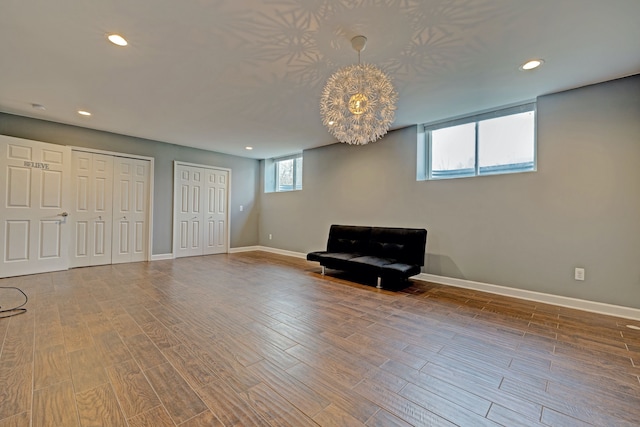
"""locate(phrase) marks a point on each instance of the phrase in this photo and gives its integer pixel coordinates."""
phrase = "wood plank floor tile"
(49, 335)
(20, 420)
(383, 418)
(110, 348)
(507, 417)
(386, 379)
(125, 325)
(564, 408)
(4, 326)
(275, 409)
(55, 406)
(86, 369)
(76, 336)
(342, 373)
(18, 344)
(189, 366)
(230, 408)
(15, 392)
(300, 395)
(181, 401)
(326, 385)
(99, 407)
(205, 419)
(51, 366)
(553, 418)
(443, 402)
(144, 351)
(399, 406)
(132, 388)
(155, 417)
(265, 339)
(225, 367)
(159, 334)
(333, 416)
(487, 390)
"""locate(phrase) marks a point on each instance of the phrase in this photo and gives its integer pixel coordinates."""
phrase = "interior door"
(188, 211)
(91, 219)
(34, 194)
(130, 210)
(216, 197)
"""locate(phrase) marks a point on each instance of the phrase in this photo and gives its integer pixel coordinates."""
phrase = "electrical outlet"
(579, 274)
(270, 236)
(241, 208)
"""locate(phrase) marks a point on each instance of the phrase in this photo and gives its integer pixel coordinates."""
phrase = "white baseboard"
(244, 249)
(160, 257)
(282, 252)
(579, 304)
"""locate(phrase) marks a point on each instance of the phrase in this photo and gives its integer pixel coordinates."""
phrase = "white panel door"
(130, 210)
(216, 201)
(91, 219)
(33, 197)
(189, 211)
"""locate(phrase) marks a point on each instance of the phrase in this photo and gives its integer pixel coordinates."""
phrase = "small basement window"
(283, 173)
(498, 142)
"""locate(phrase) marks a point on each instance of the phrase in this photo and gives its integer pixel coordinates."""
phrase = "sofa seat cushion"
(372, 260)
(400, 270)
(315, 256)
(342, 256)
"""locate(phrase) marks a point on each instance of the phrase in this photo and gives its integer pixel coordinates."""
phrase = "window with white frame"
(497, 142)
(284, 173)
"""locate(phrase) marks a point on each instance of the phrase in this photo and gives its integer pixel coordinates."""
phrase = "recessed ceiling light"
(530, 65)
(248, 148)
(117, 39)
(84, 113)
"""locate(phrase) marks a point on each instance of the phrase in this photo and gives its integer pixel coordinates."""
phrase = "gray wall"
(527, 231)
(245, 177)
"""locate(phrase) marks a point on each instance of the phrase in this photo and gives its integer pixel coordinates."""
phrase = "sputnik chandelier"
(358, 102)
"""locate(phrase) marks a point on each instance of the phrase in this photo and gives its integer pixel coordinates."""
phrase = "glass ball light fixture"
(358, 102)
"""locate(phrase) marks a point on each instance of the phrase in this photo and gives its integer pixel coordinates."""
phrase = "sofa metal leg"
(323, 270)
(379, 285)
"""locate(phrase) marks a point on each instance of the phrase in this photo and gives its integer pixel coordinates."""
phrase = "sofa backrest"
(406, 245)
(349, 239)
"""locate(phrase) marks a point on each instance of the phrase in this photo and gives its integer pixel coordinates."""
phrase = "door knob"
(63, 214)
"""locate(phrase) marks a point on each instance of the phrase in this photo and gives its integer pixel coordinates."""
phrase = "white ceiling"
(224, 74)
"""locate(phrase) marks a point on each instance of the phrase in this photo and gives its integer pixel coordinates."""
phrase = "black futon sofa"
(388, 253)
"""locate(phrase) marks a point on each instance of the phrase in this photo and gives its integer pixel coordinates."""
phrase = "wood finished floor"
(265, 340)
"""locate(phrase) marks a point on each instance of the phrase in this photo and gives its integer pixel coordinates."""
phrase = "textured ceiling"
(224, 74)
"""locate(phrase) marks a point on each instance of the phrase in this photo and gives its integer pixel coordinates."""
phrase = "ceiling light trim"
(117, 39)
(532, 64)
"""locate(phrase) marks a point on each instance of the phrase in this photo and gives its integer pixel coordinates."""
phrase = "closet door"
(216, 200)
(91, 218)
(130, 210)
(188, 210)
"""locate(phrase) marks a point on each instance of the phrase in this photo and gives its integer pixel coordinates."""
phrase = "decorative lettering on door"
(37, 165)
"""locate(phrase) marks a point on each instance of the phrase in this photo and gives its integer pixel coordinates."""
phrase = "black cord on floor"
(10, 312)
